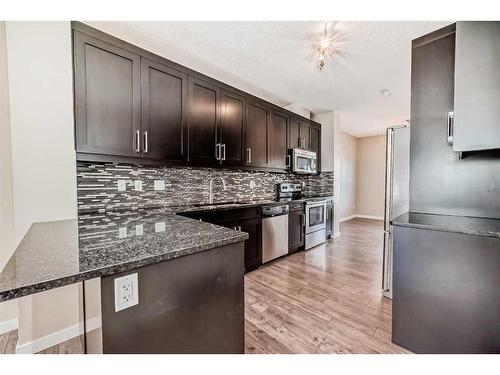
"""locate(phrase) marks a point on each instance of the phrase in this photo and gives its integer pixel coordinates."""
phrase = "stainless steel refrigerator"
(397, 181)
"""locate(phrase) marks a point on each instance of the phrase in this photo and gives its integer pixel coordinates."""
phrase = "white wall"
(8, 310)
(348, 175)
(43, 156)
(370, 192)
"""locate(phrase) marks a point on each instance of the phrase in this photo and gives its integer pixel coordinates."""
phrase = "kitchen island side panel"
(192, 304)
(446, 292)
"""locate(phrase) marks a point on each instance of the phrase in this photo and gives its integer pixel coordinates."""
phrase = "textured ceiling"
(274, 60)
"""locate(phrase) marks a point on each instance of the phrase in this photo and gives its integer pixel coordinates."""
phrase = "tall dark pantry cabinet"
(446, 295)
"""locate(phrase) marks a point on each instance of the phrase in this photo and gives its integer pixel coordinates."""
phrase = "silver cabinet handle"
(450, 119)
(326, 214)
(249, 155)
(288, 161)
(146, 143)
(223, 151)
(137, 141)
(217, 151)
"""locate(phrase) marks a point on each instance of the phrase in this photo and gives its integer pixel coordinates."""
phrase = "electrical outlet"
(122, 232)
(139, 229)
(122, 185)
(252, 184)
(138, 185)
(160, 226)
(159, 185)
(126, 292)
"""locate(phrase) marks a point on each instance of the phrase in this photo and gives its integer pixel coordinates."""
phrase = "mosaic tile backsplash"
(97, 186)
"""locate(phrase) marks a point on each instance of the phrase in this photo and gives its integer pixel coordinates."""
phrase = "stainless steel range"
(316, 213)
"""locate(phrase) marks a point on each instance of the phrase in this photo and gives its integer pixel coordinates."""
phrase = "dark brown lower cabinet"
(253, 246)
(247, 220)
(446, 295)
(296, 223)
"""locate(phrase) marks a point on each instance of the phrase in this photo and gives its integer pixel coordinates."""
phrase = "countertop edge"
(47, 285)
(473, 232)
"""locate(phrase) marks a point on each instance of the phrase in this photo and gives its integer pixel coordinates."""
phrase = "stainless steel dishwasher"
(274, 231)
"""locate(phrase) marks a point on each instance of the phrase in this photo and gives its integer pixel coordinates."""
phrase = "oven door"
(315, 216)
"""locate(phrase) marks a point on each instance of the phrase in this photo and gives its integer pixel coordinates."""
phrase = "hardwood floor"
(8, 342)
(324, 300)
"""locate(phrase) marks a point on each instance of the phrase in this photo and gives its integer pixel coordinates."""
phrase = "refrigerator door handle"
(388, 178)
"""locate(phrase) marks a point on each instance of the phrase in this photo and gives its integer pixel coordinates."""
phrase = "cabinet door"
(305, 135)
(164, 112)
(253, 246)
(477, 86)
(316, 143)
(294, 133)
(204, 115)
(107, 98)
(257, 135)
(232, 126)
(295, 230)
(278, 149)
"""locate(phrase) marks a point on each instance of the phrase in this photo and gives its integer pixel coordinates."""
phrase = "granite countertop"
(458, 224)
(58, 253)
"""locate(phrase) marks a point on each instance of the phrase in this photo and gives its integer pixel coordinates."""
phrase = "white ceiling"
(274, 60)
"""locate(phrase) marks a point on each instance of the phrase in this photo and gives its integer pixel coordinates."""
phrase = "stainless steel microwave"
(303, 161)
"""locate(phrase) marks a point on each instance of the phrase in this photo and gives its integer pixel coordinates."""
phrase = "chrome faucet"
(210, 185)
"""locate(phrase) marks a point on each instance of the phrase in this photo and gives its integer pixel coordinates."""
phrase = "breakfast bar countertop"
(57, 253)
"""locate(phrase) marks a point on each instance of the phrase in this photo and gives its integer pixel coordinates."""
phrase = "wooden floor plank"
(328, 298)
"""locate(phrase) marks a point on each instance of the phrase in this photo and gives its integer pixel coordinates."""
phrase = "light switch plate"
(139, 229)
(126, 292)
(159, 185)
(122, 185)
(138, 185)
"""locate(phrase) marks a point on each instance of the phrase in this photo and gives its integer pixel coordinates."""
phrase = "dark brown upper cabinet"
(134, 106)
(164, 112)
(476, 120)
(257, 135)
(204, 117)
(316, 143)
(278, 148)
(294, 132)
(107, 98)
(300, 133)
(232, 128)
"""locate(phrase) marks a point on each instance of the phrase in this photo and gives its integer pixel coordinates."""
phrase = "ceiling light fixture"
(323, 46)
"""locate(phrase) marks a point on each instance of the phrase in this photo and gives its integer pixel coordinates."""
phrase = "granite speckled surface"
(59, 253)
(458, 224)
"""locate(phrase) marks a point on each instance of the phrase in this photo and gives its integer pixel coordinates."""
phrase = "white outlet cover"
(139, 229)
(122, 232)
(252, 184)
(138, 185)
(122, 185)
(159, 184)
(126, 292)
(160, 226)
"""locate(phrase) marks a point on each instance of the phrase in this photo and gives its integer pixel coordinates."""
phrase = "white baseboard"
(52, 339)
(372, 217)
(335, 235)
(8, 325)
(347, 218)
(361, 217)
